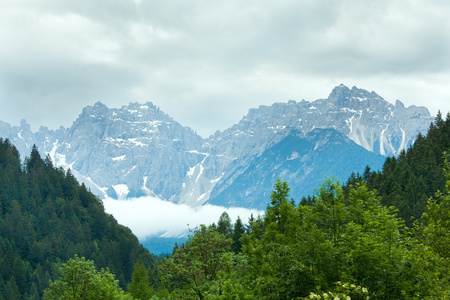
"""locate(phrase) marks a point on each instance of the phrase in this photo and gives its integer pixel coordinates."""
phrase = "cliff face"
(138, 150)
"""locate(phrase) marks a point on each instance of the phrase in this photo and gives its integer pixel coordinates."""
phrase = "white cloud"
(149, 216)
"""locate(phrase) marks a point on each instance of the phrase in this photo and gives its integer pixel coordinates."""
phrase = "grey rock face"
(139, 150)
(132, 151)
(136, 150)
(364, 117)
(304, 162)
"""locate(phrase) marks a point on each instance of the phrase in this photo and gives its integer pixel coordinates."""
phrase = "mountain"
(304, 162)
(129, 152)
(364, 117)
(138, 150)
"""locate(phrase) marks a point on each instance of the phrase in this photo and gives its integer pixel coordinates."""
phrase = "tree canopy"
(46, 217)
(80, 280)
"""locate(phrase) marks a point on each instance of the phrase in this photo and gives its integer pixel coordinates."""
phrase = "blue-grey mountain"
(139, 150)
(304, 162)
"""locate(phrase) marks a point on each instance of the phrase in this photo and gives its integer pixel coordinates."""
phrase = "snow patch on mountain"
(121, 190)
(119, 158)
(138, 150)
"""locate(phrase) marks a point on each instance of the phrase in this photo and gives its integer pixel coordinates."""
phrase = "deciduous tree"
(198, 262)
(80, 280)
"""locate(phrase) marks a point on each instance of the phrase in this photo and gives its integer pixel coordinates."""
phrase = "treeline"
(340, 246)
(345, 245)
(409, 180)
(47, 217)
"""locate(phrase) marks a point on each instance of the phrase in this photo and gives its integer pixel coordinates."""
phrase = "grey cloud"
(207, 62)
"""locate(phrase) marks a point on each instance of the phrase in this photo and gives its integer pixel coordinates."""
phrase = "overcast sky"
(205, 63)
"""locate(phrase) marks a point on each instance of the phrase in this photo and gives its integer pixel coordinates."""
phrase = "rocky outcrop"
(139, 150)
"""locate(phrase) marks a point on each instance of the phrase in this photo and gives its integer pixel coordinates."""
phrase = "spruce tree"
(238, 231)
(224, 224)
(140, 287)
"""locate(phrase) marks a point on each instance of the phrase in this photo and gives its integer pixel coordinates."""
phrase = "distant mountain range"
(138, 150)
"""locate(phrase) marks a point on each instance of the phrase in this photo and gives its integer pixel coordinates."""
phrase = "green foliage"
(79, 279)
(224, 224)
(409, 180)
(279, 206)
(140, 287)
(238, 231)
(197, 265)
(46, 216)
(433, 235)
(437, 218)
(348, 238)
(274, 270)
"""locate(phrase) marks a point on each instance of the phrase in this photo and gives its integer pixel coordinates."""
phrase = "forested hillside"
(343, 245)
(409, 180)
(46, 218)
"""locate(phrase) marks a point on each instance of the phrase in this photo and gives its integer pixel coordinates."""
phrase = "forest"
(46, 218)
(379, 235)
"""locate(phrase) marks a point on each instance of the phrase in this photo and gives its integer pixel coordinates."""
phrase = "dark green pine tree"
(47, 217)
(224, 224)
(140, 287)
(238, 231)
(409, 180)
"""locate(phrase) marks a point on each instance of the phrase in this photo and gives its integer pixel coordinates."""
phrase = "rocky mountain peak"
(130, 151)
(399, 104)
(139, 150)
(24, 125)
(355, 98)
(98, 107)
(140, 106)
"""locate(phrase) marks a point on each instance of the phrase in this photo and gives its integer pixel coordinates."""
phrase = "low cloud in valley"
(149, 216)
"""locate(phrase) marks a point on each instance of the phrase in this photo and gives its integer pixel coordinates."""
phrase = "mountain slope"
(46, 217)
(132, 151)
(304, 162)
(138, 150)
(362, 116)
(365, 117)
(411, 179)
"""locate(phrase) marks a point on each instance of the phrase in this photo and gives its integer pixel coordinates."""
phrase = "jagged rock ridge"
(364, 117)
(139, 150)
